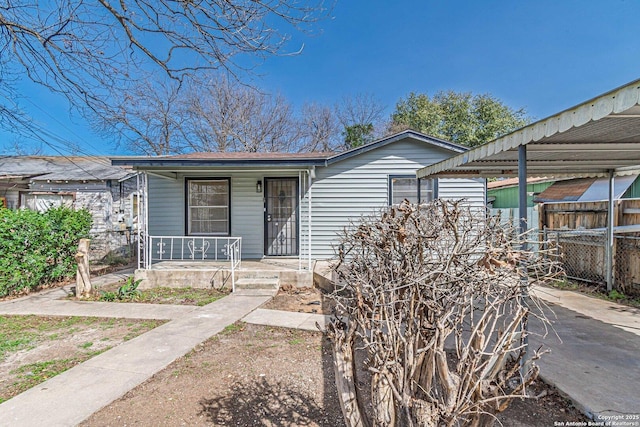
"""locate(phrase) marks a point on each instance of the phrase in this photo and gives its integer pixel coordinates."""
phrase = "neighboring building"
(590, 190)
(503, 193)
(108, 192)
(287, 205)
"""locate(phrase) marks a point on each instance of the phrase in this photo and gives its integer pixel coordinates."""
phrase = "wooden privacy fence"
(587, 215)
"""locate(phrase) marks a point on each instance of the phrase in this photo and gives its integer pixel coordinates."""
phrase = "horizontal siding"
(472, 190)
(359, 186)
(247, 215)
(166, 206)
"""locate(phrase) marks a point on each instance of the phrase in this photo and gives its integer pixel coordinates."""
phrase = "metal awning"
(600, 137)
(591, 139)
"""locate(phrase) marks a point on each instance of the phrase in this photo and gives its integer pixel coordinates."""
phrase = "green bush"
(38, 248)
(128, 291)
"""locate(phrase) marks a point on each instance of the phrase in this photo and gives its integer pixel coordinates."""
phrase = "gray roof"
(61, 168)
(249, 160)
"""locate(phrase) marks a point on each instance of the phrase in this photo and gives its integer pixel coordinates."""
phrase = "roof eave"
(148, 163)
(450, 146)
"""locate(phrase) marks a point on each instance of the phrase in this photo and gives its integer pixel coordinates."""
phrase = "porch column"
(138, 233)
(524, 279)
(310, 175)
(300, 187)
(610, 223)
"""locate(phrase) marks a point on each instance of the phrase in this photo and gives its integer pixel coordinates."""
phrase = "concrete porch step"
(258, 283)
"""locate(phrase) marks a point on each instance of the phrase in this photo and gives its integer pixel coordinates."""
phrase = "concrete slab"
(96, 309)
(620, 316)
(100, 309)
(595, 364)
(257, 283)
(256, 292)
(160, 349)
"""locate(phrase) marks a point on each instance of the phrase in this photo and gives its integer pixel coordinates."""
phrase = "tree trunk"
(83, 277)
(345, 378)
(382, 400)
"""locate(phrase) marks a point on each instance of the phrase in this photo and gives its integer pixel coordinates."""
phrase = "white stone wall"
(111, 210)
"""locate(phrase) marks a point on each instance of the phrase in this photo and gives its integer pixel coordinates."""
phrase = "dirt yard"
(263, 376)
(35, 348)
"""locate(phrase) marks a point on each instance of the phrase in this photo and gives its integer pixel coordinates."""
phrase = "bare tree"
(224, 115)
(361, 119)
(147, 119)
(433, 298)
(319, 129)
(89, 49)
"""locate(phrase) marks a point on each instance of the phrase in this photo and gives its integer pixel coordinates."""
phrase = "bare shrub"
(433, 297)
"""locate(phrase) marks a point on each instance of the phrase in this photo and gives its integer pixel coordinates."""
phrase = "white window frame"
(418, 196)
(188, 225)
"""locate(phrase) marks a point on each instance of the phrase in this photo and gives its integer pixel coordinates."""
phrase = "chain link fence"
(583, 255)
(627, 264)
(581, 252)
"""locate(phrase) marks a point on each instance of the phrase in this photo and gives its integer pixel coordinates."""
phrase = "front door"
(281, 216)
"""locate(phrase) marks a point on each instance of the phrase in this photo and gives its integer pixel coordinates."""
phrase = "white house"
(283, 205)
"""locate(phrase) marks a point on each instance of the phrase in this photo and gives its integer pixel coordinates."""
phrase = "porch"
(264, 273)
(205, 262)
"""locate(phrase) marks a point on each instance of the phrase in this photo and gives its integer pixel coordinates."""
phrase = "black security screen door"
(281, 216)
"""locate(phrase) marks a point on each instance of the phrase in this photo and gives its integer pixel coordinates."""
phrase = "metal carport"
(600, 137)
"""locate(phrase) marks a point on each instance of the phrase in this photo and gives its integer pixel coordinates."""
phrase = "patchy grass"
(181, 296)
(162, 295)
(233, 328)
(36, 348)
(25, 332)
(32, 374)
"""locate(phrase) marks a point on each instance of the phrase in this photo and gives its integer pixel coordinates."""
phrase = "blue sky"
(542, 55)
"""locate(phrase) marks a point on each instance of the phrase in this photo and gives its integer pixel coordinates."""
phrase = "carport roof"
(591, 139)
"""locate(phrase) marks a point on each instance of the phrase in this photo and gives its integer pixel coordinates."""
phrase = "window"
(208, 207)
(412, 189)
(134, 213)
(42, 202)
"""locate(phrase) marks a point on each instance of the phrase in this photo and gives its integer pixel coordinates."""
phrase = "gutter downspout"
(138, 231)
(299, 222)
(147, 254)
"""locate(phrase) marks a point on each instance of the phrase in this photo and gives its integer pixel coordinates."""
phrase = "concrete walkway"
(71, 397)
(595, 352)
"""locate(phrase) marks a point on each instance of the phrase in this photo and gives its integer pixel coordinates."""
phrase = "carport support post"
(610, 223)
(524, 280)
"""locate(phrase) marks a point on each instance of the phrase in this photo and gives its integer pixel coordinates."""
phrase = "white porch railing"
(194, 248)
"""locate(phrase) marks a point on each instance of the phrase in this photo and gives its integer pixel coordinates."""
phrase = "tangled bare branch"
(432, 295)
